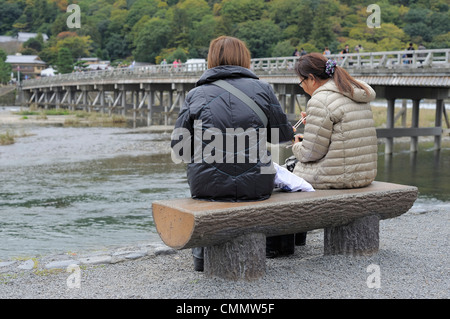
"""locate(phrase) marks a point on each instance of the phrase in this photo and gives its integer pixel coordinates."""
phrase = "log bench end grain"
(233, 234)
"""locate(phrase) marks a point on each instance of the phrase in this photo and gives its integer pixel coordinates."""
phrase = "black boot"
(198, 255)
(280, 246)
(272, 246)
(300, 239)
(287, 244)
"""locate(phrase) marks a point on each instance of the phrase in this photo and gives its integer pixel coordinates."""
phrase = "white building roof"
(24, 59)
(6, 38)
(21, 37)
(24, 36)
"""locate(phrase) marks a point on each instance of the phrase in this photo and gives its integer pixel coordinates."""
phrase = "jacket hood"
(359, 95)
(225, 71)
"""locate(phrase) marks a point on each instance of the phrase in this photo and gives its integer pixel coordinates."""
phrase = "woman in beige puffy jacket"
(339, 147)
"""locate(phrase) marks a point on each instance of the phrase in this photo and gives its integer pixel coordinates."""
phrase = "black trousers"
(275, 246)
(284, 245)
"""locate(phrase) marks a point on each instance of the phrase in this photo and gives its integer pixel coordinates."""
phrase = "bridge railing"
(368, 60)
(436, 58)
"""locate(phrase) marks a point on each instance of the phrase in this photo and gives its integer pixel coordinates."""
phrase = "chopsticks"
(299, 122)
(295, 127)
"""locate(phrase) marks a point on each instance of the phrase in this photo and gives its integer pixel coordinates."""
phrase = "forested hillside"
(150, 30)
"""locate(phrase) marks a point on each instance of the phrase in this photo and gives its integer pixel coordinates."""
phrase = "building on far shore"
(13, 44)
(30, 66)
(93, 64)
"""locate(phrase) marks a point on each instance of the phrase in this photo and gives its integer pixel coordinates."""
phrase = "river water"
(76, 188)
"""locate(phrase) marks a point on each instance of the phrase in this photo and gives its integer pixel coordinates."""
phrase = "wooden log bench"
(234, 234)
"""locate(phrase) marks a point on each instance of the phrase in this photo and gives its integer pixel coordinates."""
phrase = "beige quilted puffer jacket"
(339, 148)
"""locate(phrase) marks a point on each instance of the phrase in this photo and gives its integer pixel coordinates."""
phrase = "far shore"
(10, 119)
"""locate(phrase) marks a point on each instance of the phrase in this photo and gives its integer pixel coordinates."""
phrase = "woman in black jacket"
(229, 173)
(221, 138)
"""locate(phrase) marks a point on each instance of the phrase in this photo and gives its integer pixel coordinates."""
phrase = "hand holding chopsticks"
(302, 120)
(299, 122)
(298, 137)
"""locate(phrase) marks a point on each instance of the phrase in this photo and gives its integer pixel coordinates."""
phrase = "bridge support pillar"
(124, 101)
(389, 146)
(281, 90)
(45, 93)
(169, 105)
(36, 96)
(102, 100)
(149, 106)
(292, 100)
(70, 98)
(415, 124)
(58, 96)
(438, 122)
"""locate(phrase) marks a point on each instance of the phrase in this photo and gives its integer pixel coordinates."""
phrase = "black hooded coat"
(224, 141)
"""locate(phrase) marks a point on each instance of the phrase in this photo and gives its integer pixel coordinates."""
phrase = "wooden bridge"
(156, 93)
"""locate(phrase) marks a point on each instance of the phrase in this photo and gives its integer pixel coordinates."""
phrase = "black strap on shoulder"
(244, 98)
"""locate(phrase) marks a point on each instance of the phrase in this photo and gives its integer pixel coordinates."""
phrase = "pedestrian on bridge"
(409, 56)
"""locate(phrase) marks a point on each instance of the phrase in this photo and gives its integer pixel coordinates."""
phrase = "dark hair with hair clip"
(317, 65)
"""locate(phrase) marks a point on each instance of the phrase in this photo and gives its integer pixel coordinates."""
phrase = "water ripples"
(75, 188)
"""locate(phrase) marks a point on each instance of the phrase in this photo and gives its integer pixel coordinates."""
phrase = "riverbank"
(69, 192)
(413, 264)
(11, 118)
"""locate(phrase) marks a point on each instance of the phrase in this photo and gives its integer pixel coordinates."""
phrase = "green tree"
(440, 41)
(148, 28)
(200, 35)
(37, 15)
(9, 13)
(183, 16)
(49, 54)
(5, 68)
(293, 17)
(174, 54)
(260, 36)
(34, 43)
(117, 21)
(140, 8)
(387, 30)
(117, 47)
(322, 34)
(65, 61)
(152, 39)
(234, 12)
(417, 24)
(283, 48)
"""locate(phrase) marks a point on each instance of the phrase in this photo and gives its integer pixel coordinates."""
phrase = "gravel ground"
(413, 263)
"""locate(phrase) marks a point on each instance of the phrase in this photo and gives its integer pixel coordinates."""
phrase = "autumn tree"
(79, 46)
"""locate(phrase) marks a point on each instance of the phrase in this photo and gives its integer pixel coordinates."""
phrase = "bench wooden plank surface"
(185, 222)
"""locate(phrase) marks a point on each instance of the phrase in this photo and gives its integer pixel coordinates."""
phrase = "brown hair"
(226, 50)
(315, 64)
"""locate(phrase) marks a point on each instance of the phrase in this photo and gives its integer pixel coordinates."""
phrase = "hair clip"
(330, 66)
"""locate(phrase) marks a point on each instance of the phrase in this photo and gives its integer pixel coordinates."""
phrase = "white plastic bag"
(290, 182)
